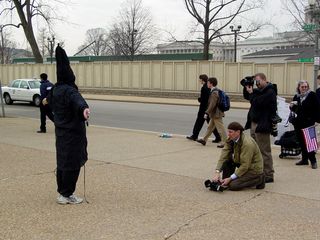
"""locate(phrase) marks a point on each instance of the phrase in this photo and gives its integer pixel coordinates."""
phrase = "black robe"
(71, 141)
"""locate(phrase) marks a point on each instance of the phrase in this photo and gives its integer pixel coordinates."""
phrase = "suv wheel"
(37, 100)
(7, 99)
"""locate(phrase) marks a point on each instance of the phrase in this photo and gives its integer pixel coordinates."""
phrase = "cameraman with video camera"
(261, 115)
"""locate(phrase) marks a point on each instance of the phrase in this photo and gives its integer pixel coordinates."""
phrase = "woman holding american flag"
(307, 108)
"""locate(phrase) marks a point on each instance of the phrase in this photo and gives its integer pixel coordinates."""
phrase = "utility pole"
(314, 10)
(2, 45)
(235, 31)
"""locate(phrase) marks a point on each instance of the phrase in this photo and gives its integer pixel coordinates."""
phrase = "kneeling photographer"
(262, 116)
(240, 162)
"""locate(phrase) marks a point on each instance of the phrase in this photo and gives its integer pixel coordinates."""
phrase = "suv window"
(24, 85)
(15, 83)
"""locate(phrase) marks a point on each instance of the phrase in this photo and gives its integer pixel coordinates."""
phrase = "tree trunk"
(26, 23)
(206, 43)
(206, 50)
(33, 44)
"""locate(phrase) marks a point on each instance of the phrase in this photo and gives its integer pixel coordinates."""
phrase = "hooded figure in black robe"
(70, 113)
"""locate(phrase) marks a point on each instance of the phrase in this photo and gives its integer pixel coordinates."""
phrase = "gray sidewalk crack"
(167, 236)
(182, 226)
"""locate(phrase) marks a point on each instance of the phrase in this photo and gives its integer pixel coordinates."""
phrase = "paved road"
(149, 117)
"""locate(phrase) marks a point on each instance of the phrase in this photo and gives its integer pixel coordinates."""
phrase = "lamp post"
(314, 11)
(235, 31)
(51, 42)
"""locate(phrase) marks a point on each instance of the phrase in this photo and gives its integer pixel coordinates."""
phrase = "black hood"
(64, 72)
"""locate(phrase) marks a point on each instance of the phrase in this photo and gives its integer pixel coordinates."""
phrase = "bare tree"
(27, 10)
(299, 11)
(6, 46)
(95, 43)
(296, 10)
(133, 33)
(43, 41)
(213, 16)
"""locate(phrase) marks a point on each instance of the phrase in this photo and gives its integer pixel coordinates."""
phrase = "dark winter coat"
(318, 93)
(307, 112)
(45, 87)
(204, 98)
(263, 108)
(71, 141)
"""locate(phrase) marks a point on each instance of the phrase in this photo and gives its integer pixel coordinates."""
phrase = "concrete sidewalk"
(141, 187)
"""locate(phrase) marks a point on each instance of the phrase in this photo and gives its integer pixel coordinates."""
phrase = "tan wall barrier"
(166, 76)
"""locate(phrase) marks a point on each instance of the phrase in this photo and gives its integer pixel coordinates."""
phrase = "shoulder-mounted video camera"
(247, 81)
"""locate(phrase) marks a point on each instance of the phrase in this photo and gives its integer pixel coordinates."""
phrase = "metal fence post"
(1, 97)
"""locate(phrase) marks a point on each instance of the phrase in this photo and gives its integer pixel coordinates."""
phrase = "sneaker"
(62, 200)
(220, 146)
(74, 199)
(314, 165)
(41, 131)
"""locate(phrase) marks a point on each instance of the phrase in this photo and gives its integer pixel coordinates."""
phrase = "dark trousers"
(66, 181)
(45, 110)
(249, 179)
(305, 154)
(199, 124)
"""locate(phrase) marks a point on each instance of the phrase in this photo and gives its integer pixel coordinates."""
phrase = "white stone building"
(225, 51)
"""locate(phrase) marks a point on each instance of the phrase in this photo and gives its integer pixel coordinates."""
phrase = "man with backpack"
(214, 113)
(203, 100)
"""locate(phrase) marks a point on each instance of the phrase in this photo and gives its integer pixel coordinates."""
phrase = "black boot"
(302, 162)
(314, 165)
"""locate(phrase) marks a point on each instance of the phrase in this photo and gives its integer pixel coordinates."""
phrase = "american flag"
(310, 138)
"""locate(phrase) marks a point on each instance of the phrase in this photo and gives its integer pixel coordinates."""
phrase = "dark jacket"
(71, 141)
(204, 98)
(45, 87)
(263, 108)
(318, 93)
(307, 111)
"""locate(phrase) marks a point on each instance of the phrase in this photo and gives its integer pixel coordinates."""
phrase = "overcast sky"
(167, 14)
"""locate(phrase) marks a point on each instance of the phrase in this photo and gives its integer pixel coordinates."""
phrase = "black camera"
(214, 186)
(247, 81)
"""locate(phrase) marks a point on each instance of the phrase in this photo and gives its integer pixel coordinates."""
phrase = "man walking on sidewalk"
(203, 100)
(215, 114)
(45, 110)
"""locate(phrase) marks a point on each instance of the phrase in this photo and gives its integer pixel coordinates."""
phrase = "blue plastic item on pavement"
(165, 135)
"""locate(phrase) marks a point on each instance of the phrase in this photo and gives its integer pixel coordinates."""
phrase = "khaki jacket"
(213, 111)
(246, 154)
